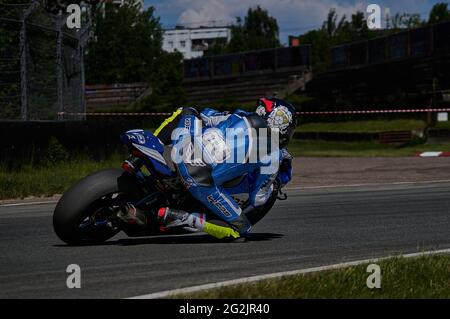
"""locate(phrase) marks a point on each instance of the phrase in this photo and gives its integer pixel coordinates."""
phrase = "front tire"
(258, 213)
(90, 196)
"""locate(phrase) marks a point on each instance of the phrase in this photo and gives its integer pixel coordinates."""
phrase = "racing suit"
(205, 176)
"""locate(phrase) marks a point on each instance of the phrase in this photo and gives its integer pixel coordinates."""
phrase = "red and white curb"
(433, 154)
(187, 290)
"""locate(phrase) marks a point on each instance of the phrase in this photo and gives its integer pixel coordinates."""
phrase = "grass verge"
(373, 126)
(423, 277)
(443, 125)
(51, 179)
(359, 149)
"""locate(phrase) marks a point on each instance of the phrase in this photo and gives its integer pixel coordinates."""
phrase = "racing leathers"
(211, 151)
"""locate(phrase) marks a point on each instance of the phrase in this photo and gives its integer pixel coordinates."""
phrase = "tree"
(439, 13)
(359, 27)
(320, 48)
(406, 21)
(259, 31)
(396, 21)
(413, 21)
(330, 25)
(334, 31)
(167, 82)
(54, 7)
(354, 30)
(126, 45)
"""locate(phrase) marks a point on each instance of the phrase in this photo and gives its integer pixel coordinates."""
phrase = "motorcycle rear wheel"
(80, 217)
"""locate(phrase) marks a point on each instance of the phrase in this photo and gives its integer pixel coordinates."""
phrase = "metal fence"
(41, 63)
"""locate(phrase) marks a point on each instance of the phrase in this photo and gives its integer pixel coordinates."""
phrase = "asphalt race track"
(312, 228)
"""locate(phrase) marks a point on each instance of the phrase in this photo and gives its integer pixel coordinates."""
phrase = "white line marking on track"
(30, 203)
(369, 184)
(169, 293)
(287, 188)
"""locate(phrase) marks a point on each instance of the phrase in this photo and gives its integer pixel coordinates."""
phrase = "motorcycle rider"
(204, 177)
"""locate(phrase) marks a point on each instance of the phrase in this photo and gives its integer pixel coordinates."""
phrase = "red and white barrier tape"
(374, 111)
(298, 113)
(113, 114)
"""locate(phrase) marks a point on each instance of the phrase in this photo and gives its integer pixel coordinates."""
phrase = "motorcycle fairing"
(240, 191)
(149, 145)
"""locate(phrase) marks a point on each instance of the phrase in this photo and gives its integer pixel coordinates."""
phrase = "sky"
(294, 16)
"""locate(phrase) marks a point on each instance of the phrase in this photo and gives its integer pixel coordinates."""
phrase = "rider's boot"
(169, 217)
(132, 215)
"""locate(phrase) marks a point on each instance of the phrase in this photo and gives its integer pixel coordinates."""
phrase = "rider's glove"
(285, 171)
(285, 174)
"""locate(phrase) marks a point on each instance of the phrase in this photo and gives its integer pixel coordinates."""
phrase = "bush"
(56, 152)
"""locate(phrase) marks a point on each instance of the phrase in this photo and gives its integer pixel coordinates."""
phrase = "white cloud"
(293, 16)
(206, 13)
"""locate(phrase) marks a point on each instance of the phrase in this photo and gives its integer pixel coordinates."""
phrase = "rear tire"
(82, 199)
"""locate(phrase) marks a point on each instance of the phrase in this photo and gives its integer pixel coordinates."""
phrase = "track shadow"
(195, 239)
(184, 239)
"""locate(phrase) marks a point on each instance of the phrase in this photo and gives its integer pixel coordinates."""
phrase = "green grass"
(359, 149)
(373, 126)
(423, 277)
(51, 179)
(442, 125)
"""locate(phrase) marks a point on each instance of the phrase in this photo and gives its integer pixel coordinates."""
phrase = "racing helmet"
(278, 114)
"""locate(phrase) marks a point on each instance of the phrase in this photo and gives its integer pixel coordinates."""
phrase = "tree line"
(337, 30)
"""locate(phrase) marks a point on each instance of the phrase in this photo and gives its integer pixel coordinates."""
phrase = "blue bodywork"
(151, 146)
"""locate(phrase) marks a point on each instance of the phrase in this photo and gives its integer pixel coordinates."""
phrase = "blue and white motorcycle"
(87, 212)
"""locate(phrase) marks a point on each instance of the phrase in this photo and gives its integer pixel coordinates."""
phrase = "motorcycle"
(87, 211)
